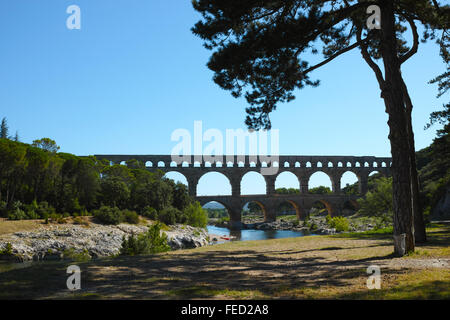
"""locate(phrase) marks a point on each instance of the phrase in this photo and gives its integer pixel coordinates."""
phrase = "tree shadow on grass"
(241, 274)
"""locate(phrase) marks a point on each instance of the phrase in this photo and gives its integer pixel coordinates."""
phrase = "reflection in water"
(252, 234)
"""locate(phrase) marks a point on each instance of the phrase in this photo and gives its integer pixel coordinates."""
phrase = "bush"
(81, 221)
(196, 216)
(17, 214)
(169, 215)
(130, 216)
(108, 215)
(149, 242)
(7, 251)
(339, 223)
(150, 213)
(44, 210)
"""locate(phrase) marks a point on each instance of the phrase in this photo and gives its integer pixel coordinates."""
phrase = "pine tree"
(260, 51)
(4, 130)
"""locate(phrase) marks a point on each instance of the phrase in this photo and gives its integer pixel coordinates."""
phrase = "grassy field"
(314, 267)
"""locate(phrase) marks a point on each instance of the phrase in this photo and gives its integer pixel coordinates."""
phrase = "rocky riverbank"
(54, 242)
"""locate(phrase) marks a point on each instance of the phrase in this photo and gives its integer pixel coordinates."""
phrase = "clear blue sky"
(134, 73)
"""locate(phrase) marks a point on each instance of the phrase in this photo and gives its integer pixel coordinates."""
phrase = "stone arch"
(253, 180)
(211, 183)
(350, 205)
(203, 203)
(161, 164)
(218, 164)
(185, 164)
(297, 164)
(374, 172)
(260, 205)
(323, 180)
(123, 163)
(297, 209)
(173, 164)
(328, 206)
(286, 164)
(330, 164)
(176, 176)
(349, 177)
(287, 179)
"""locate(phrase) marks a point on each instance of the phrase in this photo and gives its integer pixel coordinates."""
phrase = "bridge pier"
(235, 212)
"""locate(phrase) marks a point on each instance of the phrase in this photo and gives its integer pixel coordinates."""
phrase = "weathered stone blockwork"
(235, 167)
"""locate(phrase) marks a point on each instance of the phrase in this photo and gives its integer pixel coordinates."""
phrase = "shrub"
(130, 216)
(71, 254)
(17, 214)
(149, 242)
(150, 212)
(32, 215)
(339, 223)
(108, 215)
(169, 215)
(7, 251)
(196, 216)
(44, 210)
(80, 220)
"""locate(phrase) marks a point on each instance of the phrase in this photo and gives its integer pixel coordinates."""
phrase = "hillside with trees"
(38, 182)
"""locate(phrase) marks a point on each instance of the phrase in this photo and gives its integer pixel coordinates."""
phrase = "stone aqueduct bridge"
(303, 167)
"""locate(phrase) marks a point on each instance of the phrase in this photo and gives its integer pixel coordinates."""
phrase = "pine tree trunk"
(419, 224)
(392, 93)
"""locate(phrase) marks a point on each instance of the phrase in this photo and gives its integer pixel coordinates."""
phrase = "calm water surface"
(252, 234)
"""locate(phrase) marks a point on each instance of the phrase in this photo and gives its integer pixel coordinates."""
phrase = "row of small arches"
(319, 164)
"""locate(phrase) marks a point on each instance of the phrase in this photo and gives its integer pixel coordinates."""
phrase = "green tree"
(378, 202)
(4, 129)
(38, 161)
(320, 190)
(261, 49)
(115, 192)
(46, 144)
(181, 198)
(196, 216)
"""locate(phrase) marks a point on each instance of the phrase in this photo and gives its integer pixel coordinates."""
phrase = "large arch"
(326, 205)
(248, 206)
(253, 183)
(320, 179)
(177, 177)
(215, 208)
(213, 184)
(348, 181)
(287, 180)
(296, 209)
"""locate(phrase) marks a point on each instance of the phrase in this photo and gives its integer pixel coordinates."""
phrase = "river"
(253, 234)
